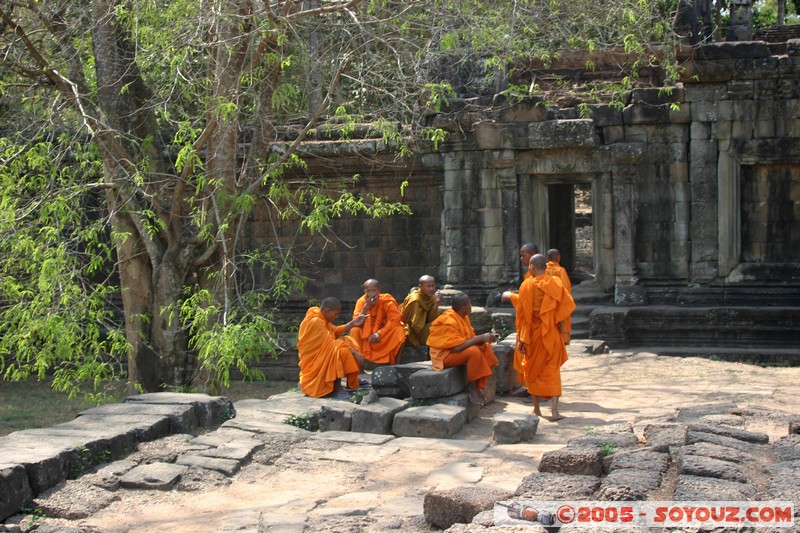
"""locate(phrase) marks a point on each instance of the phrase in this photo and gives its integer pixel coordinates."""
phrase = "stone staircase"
(587, 297)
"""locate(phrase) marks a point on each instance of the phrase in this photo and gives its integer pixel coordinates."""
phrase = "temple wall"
(696, 193)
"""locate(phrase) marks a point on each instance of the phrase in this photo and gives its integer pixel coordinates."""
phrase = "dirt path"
(320, 485)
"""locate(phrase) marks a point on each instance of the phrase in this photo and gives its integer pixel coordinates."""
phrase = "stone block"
(15, 491)
(335, 418)
(510, 428)
(711, 489)
(210, 411)
(697, 465)
(437, 383)
(62, 502)
(643, 459)
(377, 417)
(794, 426)
(629, 484)
(561, 134)
(461, 400)
(693, 437)
(504, 373)
(434, 421)
(414, 354)
(602, 440)
(153, 476)
(557, 486)
(443, 508)
(580, 461)
(393, 380)
(734, 433)
(645, 114)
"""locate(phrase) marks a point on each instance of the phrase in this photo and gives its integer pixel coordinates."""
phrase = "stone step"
(431, 421)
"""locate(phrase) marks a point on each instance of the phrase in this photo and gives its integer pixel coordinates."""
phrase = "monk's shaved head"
(329, 303)
(530, 247)
(372, 284)
(426, 279)
(539, 262)
(553, 255)
(460, 300)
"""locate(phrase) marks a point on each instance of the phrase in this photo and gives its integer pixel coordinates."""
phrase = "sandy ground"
(317, 485)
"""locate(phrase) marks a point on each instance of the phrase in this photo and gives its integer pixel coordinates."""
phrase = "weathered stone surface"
(787, 448)
(461, 400)
(238, 450)
(645, 459)
(335, 418)
(377, 417)
(460, 505)
(581, 461)
(352, 437)
(794, 426)
(629, 484)
(556, 486)
(438, 383)
(16, 490)
(734, 433)
(393, 380)
(725, 420)
(154, 476)
(693, 412)
(224, 466)
(716, 451)
(696, 465)
(504, 372)
(561, 133)
(510, 428)
(661, 437)
(434, 421)
(360, 453)
(707, 488)
(151, 421)
(784, 482)
(612, 441)
(697, 436)
(211, 411)
(65, 501)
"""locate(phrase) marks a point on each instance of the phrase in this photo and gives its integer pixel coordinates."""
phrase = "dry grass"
(35, 404)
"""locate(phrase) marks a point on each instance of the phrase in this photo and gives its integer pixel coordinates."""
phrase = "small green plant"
(608, 448)
(83, 462)
(103, 456)
(302, 421)
(358, 395)
(36, 513)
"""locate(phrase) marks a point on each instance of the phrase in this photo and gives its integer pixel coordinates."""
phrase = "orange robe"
(451, 330)
(324, 357)
(385, 317)
(541, 366)
(520, 317)
(557, 271)
(419, 310)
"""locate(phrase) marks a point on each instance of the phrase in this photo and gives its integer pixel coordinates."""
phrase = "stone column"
(603, 224)
(730, 224)
(510, 216)
(627, 290)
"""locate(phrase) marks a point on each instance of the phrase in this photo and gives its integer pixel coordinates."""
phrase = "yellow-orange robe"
(557, 271)
(541, 366)
(385, 317)
(522, 316)
(419, 310)
(450, 330)
(324, 357)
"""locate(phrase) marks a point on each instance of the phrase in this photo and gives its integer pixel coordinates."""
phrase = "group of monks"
(380, 328)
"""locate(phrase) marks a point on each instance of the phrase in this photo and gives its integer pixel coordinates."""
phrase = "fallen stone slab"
(265, 427)
(644, 459)
(707, 488)
(394, 380)
(696, 465)
(377, 417)
(724, 420)
(211, 411)
(661, 437)
(443, 508)
(360, 453)
(580, 461)
(459, 400)
(553, 486)
(632, 484)
(693, 412)
(74, 500)
(239, 450)
(787, 448)
(504, 373)
(15, 491)
(734, 433)
(784, 482)
(607, 441)
(455, 445)
(510, 428)
(438, 383)
(693, 437)
(337, 417)
(353, 438)
(153, 476)
(432, 421)
(229, 467)
(221, 437)
(716, 451)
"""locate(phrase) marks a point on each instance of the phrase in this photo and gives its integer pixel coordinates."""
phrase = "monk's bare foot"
(556, 417)
(473, 394)
(537, 412)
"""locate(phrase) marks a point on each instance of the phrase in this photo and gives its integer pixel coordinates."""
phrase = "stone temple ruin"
(693, 201)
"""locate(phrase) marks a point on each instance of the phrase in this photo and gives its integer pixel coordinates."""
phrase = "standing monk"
(540, 339)
(382, 335)
(453, 342)
(555, 269)
(526, 251)
(420, 308)
(325, 357)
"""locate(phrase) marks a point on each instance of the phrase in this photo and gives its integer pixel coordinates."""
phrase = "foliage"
(302, 421)
(608, 448)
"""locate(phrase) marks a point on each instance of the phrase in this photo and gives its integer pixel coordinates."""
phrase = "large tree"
(138, 134)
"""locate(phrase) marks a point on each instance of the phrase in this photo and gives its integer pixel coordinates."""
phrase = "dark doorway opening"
(571, 227)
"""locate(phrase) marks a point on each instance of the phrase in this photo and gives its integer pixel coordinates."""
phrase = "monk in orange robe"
(539, 339)
(526, 251)
(420, 309)
(555, 269)
(453, 342)
(326, 356)
(382, 335)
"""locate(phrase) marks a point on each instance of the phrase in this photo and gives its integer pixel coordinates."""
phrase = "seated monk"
(325, 356)
(382, 335)
(453, 342)
(420, 309)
